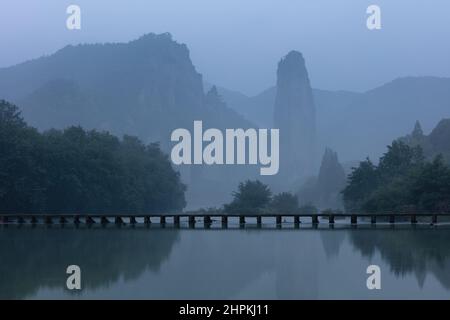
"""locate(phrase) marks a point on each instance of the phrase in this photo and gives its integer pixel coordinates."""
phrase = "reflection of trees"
(38, 257)
(231, 264)
(417, 251)
(332, 241)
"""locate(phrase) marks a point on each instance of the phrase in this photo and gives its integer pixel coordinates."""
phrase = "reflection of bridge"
(206, 220)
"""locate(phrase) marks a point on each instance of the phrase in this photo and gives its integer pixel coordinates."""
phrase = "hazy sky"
(237, 43)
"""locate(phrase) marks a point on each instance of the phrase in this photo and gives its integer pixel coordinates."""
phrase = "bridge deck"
(207, 219)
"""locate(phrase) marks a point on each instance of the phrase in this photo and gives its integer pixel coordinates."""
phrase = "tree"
(308, 209)
(285, 202)
(361, 183)
(403, 180)
(251, 197)
(392, 197)
(431, 189)
(398, 160)
(21, 165)
(78, 171)
(417, 133)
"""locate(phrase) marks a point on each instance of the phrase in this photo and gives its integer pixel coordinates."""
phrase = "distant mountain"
(436, 143)
(324, 190)
(149, 86)
(295, 116)
(379, 116)
(61, 103)
(358, 125)
(146, 87)
(259, 108)
(440, 138)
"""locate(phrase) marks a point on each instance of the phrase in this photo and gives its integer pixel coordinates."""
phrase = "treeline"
(403, 181)
(78, 171)
(254, 197)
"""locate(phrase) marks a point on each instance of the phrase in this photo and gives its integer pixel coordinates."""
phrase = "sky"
(237, 43)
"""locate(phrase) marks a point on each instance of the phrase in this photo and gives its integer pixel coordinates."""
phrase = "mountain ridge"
(345, 116)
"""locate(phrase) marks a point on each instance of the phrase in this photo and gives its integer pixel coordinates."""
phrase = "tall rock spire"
(295, 116)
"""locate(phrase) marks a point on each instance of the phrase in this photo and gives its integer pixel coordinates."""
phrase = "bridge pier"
(191, 221)
(147, 220)
(373, 219)
(89, 220)
(331, 219)
(279, 219)
(434, 219)
(118, 221)
(21, 220)
(207, 221)
(259, 221)
(48, 220)
(104, 220)
(77, 220)
(242, 220)
(413, 219)
(315, 219)
(354, 219)
(391, 219)
(224, 222)
(62, 220)
(133, 220)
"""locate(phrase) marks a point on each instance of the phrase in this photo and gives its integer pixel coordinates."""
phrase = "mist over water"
(234, 264)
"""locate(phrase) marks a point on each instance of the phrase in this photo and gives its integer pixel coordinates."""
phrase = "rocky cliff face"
(436, 143)
(324, 191)
(146, 87)
(440, 137)
(294, 115)
(331, 180)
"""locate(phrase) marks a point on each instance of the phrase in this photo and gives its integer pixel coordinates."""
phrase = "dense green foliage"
(251, 197)
(402, 181)
(75, 171)
(254, 197)
(285, 202)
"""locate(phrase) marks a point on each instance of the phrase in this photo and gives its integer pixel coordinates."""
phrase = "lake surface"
(155, 263)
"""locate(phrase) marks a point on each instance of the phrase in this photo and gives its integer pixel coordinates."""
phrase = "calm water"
(224, 264)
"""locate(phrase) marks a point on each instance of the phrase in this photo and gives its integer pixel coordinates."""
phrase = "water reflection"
(32, 258)
(228, 264)
(416, 251)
